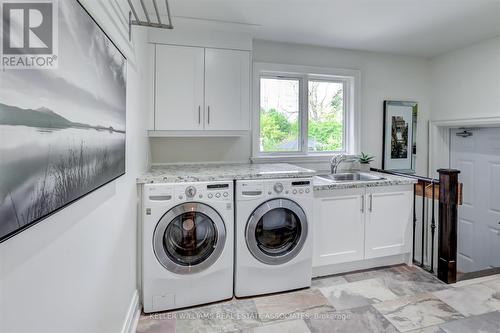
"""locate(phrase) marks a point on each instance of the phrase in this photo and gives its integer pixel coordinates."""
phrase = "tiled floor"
(395, 299)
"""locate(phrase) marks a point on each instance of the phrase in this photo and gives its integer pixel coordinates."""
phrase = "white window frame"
(351, 80)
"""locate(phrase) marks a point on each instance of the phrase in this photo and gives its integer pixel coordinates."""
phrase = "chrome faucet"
(335, 162)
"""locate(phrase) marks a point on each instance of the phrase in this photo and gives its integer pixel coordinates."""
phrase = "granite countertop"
(390, 180)
(218, 172)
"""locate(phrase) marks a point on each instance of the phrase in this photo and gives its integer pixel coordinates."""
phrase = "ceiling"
(412, 27)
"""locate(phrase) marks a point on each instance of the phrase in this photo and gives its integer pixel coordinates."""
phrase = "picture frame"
(68, 122)
(399, 136)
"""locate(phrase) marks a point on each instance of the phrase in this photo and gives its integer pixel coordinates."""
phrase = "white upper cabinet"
(388, 221)
(227, 87)
(201, 89)
(179, 86)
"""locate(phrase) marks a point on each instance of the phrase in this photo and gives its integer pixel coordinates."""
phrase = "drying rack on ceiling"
(144, 19)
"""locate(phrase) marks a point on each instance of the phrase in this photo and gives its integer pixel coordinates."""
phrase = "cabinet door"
(389, 221)
(179, 88)
(227, 89)
(339, 227)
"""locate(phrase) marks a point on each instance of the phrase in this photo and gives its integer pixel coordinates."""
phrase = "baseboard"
(361, 265)
(133, 313)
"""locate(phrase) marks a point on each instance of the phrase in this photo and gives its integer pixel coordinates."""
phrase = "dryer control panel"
(291, 188)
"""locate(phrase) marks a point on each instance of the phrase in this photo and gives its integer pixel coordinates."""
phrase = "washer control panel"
(278, 188)
(190, 191)
(204, 191)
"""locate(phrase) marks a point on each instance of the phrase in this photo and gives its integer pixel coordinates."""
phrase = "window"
(301, 114)
(279, 114)
(326, 114)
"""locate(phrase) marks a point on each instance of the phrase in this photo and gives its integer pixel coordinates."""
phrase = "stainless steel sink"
(351, 177)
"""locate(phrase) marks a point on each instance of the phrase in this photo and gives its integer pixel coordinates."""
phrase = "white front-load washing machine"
(187, 244)
(273, 236)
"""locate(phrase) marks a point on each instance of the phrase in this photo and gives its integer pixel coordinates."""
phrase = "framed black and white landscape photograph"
(62, 131)
(399, 147)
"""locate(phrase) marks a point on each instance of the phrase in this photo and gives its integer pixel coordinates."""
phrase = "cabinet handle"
(362, 204)
(199, 114)
(371, 203)
(208, 115)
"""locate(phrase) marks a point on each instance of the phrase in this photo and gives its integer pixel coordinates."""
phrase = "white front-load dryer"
(273, 236)
(187, 244)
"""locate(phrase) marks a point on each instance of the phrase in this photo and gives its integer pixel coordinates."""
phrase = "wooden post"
(448, 221)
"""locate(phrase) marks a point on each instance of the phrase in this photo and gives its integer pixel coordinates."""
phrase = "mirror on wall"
(400, 136)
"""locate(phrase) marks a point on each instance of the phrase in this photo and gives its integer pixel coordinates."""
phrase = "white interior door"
(179, 88)
(227, 89)
(478, 159)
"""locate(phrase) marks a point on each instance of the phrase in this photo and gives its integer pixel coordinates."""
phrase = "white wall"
(194, 150)
(384, 77)
(76, 271)
(466, 82)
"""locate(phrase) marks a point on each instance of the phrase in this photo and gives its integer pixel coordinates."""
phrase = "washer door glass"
(276, 231)
(189, 238)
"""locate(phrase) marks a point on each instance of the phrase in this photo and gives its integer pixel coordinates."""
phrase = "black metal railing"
(447, 196)
(420, 188)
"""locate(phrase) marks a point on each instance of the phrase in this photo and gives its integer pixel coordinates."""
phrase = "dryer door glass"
(189, 238)
(276, 231)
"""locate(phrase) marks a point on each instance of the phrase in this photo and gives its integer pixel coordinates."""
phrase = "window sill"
(294, 158)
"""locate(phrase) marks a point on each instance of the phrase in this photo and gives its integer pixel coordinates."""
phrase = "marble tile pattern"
(480, 299)
(291, 326)
(401, 281)
(392, 299)
(389, 180)
(283, 305)
(486, 323)
(417, 311)
(357, 294)
(222, 172)
(362, 319)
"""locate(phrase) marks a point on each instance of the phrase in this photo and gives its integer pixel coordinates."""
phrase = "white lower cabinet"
(339, 226)
(388, 228)
(356, 225)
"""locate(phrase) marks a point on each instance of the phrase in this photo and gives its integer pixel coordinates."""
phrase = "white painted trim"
(194, 134)
(133, 313)
(293, 159)
(361, 265)
(352, 78)
(199, 163)
(477, 122)
(439, 139)
(202, 38)
(110, 19)
(439, 149)
(139, 241)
